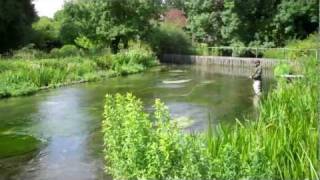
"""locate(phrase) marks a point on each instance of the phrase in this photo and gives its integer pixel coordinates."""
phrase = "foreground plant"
(281, 144)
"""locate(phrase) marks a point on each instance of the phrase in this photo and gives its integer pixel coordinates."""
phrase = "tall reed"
(280, 144)
(23, 77)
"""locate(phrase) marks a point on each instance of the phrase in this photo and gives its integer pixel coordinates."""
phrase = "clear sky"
(48, 7)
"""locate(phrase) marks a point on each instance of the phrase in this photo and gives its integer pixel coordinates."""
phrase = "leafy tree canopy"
(110, 21)
(16, 17)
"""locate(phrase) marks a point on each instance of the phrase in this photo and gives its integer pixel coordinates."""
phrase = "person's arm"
(254, 74)
(257, 73)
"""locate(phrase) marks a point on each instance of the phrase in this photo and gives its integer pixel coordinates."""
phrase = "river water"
(68, 119)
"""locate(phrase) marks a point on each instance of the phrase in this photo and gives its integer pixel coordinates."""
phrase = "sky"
(48, 7)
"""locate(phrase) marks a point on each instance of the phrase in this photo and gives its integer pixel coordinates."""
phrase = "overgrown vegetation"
(169, 38)
(281, 144)
(22, 77)
(297, 49)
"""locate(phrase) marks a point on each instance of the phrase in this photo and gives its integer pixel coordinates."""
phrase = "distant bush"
(169, 39)
(282, 69)
(65, 51)
(29, 52)
(104, 61)
(300, 49)
(133, 60)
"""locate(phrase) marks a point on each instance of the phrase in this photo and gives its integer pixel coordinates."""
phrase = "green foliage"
(26, 77)
(27, 74)
(253, 22)
(16, 17)
(28, 52)
(281, 144)
(104, 62)
(109, 22)
(66, 51)
(295, 19)
(84, 43)
(204, 20)
(297, 49)
(133, 60)
(282, 69)
(46, 32)
(169, 39)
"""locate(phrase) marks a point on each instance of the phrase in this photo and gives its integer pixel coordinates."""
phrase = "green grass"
(24, 77)
(281, 144)
(296, 49)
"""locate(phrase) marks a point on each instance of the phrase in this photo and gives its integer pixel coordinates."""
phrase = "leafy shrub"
(133, 60)
(297, 49)
(169, 39)
(104, 62)
(282, 144)
(282, 69)
(28, 53)
(202, 49)
(65, 51)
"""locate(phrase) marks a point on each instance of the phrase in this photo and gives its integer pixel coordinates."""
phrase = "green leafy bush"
(104, 62)
(282, 69)
(169, 39)
(65, 51)
(28, 52)
(133, 60)
(281, 144)
(296, 49)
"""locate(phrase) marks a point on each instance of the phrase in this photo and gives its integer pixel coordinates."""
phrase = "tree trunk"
(115, 45)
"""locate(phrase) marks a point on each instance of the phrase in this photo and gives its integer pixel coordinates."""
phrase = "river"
(68, 119)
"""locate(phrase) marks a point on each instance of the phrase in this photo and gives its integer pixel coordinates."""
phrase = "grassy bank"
(22, 77)
(281, 144)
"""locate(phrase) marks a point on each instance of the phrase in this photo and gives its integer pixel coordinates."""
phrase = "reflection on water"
(69, 118)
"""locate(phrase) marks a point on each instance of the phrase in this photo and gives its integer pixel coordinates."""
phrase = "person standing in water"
(257, 78)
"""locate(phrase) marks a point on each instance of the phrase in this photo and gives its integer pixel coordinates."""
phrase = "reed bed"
(24, 77)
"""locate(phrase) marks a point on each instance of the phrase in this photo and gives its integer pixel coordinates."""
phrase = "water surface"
(68, 119)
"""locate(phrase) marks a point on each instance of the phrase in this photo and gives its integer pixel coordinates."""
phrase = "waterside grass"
(24, 77)
(281, 144)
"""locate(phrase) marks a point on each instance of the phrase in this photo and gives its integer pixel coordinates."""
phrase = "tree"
(128, 19)
(175, 17)
(295, 19)
(111, 21)
(16, 17)
(178, 4)
(249, 22)
(46, 33)
(204, 20)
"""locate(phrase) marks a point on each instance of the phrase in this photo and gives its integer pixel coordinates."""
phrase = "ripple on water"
(176, 81)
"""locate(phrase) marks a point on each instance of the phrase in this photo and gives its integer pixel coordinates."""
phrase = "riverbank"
(24, 77)
(280, 144)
